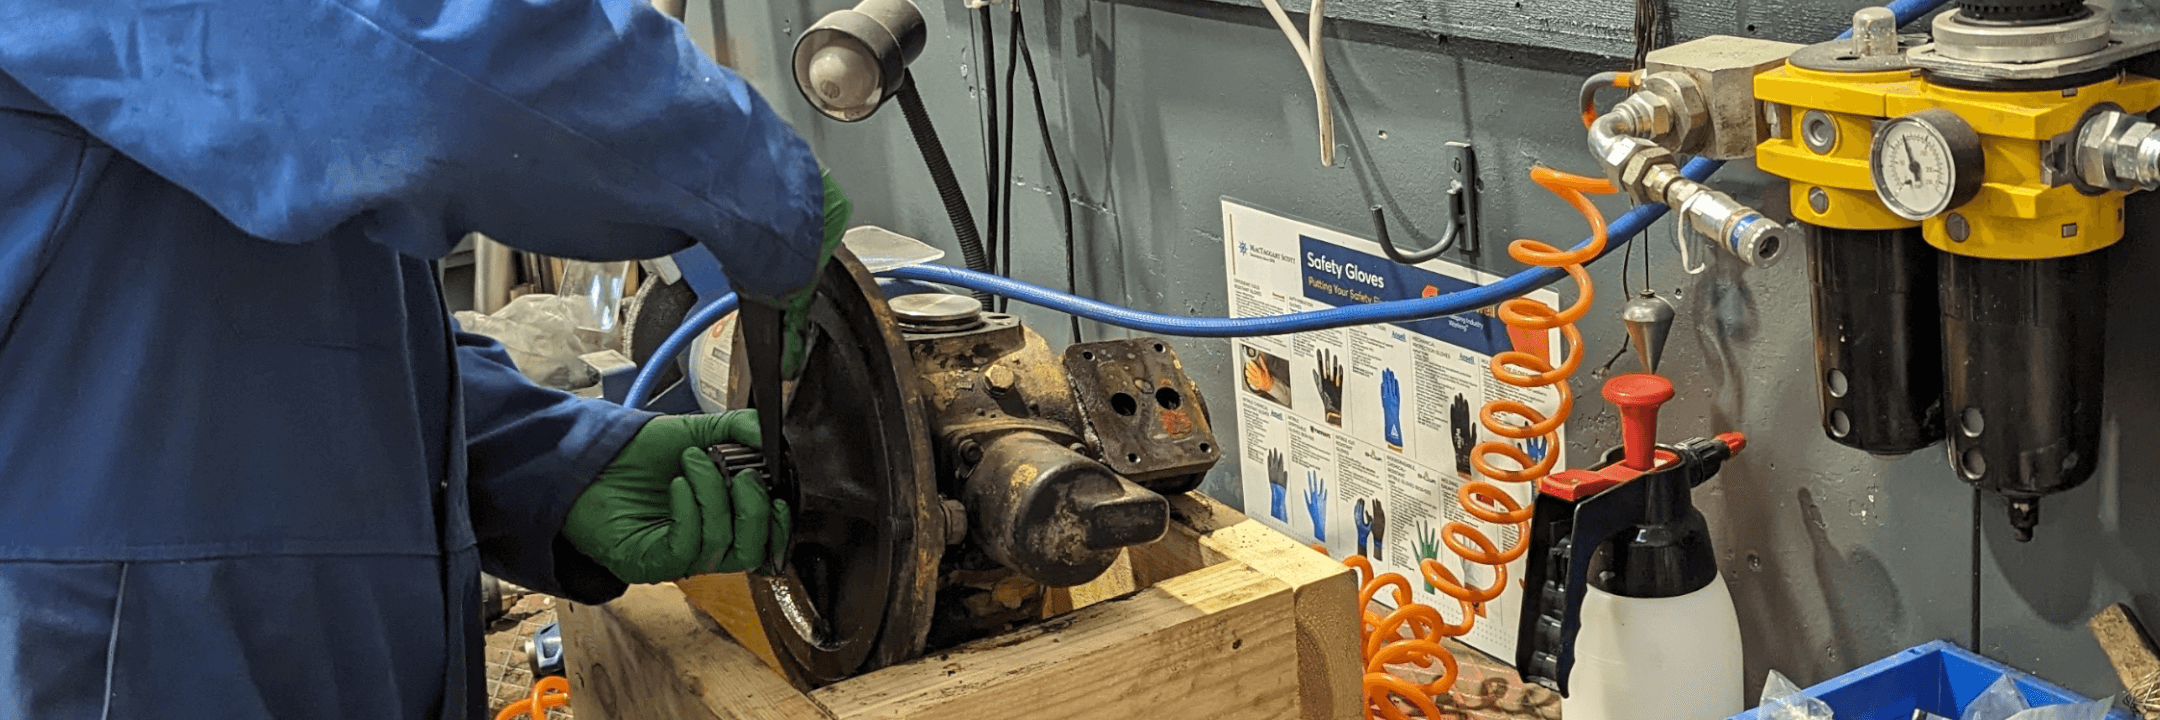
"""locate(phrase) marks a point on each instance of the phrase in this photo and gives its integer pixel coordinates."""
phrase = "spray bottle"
(1628, 617)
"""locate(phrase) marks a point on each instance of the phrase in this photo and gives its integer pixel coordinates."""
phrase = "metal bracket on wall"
(1462, 195)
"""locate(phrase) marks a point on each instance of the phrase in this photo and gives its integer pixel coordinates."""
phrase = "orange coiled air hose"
(1382, 637)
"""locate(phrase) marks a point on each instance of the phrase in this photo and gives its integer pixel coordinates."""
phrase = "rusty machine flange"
(952, 467)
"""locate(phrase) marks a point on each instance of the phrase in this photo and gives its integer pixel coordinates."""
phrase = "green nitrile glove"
(796, 307)
(662, 511)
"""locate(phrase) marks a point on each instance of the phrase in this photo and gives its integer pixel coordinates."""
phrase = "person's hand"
(795, 307)
(1379, 530)
(662, 511)
(1391, 409)
(1278, 477)
(1328, 378)
(1316, 504)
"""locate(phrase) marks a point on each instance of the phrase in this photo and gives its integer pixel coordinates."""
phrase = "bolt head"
(1000, 379)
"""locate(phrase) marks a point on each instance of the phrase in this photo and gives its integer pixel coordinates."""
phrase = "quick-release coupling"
(2117, 151)
(1636, 143)
(1741, 230)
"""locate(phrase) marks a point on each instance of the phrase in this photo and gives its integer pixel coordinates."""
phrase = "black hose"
(991, 132)
(1042, 125)
(1004, 240)
(948, 185)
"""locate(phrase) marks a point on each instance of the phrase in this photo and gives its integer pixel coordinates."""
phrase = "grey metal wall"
(1163, 107)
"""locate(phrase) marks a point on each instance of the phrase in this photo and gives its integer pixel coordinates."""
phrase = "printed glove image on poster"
(1347, 433)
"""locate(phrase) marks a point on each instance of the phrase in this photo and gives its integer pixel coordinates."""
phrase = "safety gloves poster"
(1360, 438)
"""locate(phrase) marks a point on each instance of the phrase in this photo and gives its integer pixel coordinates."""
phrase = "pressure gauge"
(1925, 163)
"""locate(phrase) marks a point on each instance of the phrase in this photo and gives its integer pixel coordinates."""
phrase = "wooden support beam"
(649, 654)
(1206, 644)
(1223, 618)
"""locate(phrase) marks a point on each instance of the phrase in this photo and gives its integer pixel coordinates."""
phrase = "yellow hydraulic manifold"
(2026, 206)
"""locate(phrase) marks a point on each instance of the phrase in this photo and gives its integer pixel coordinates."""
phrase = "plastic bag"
(1782, 700)
(2095, 710)
(541, 333)
(593, 295)
(2000, 701)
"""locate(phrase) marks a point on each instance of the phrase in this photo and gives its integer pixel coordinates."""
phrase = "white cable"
(1685, 237)
(1315, 68)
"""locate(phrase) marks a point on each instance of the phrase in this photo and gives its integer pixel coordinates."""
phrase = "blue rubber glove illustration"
(1391, 409)
(1278, 478)
(1535, 448)
(1364, 526)
(1316, 504)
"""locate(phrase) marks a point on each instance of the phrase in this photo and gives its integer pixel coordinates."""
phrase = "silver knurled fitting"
(2118, 151)
(1741, 230)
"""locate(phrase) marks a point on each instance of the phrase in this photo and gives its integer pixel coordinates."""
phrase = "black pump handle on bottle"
(1565, 535)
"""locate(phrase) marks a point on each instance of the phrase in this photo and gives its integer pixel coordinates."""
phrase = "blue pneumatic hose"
(641, 388)
(1622, 228)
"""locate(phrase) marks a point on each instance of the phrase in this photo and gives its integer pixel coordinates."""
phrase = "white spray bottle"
(1628, 618)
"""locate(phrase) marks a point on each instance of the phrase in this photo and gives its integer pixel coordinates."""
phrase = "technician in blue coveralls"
(248, 468)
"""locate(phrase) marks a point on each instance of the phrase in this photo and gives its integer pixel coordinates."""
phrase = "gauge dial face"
(1925, 163)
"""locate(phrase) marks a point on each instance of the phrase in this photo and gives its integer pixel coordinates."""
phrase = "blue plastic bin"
(1937, 677)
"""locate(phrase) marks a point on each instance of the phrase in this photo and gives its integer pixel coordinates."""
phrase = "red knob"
(1638, 395)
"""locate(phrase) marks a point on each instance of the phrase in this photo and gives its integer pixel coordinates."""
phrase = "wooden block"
(726, 599)
(1330, 664)
(2127, 646)
(1210, 643)
(649, 655)
(1116, 581)
(1180, 550)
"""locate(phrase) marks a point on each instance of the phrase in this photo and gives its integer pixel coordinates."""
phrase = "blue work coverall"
(248, 467)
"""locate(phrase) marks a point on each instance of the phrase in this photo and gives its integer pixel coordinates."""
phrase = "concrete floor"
(1488, 689)
(509, 675)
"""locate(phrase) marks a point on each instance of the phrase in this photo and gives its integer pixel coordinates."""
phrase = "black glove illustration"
(1278, 477)
(1328, 377)
(1379, 529)
(1464, 433)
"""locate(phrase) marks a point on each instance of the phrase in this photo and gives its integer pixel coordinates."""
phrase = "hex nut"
(1630, 176)
(2130, 164)
(2095, 155)
(1686, 127)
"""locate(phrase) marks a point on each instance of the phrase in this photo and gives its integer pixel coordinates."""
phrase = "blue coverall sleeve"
(581, 128)
(530, 452)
